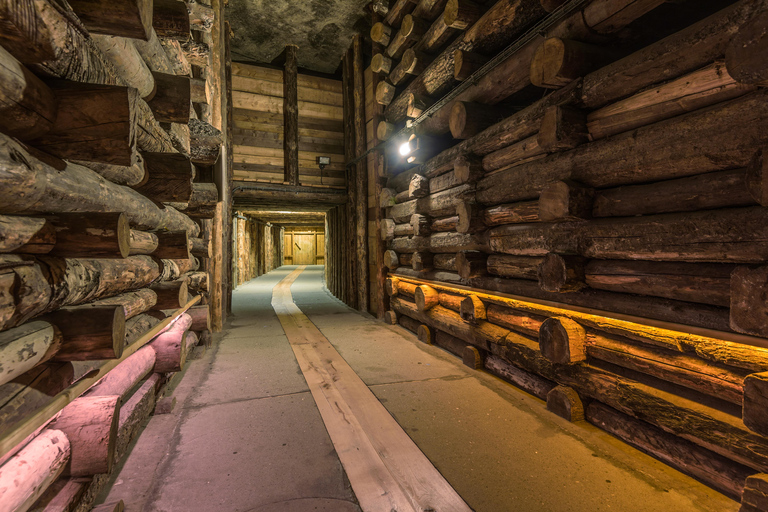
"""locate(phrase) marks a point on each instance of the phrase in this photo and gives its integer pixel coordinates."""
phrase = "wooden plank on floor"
(386, 469)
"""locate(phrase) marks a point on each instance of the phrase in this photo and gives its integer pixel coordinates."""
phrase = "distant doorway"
(304, 247)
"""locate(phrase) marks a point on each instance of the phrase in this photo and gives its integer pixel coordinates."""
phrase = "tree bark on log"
(172, 101)
(133, 303)
(127, 62)
(721, 189)
(500, 24)
(27, 105)
(715, 470)
(142, 242)
(124, 377)
(49, 190)
(46, 284)
(89, 333)
(528, 382)
(205, 142)
(726, 136)
(93, 123)
(169, 178)
(515, 128)
(170, 19)
(704, 87)
(90, 424)
(673, 56)
(37, 465)
(24, 347)
(125, 18)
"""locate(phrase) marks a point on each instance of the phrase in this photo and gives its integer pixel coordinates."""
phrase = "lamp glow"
(405, 148)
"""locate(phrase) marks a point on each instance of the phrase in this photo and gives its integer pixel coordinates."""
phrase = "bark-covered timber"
(46, 284)
(706, 283)
(74, 189)
(673, 56)
(513, 74)
(90, 424)
(361, 176)
(435, 205)
(89, 333)
(726, 136)
(205, 143)
(37, 465)
(25, 347)
(172, 100)
(127, 62)
(499, 25)
(169, 178)
(125, 375)
(125, 18)
(715, 470)
(27, 105)
(720, 189)
(515, 128)
(706, 86)
(170, 19)
(447, 242)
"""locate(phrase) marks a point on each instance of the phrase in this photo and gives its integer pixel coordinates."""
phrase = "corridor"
(246, 435)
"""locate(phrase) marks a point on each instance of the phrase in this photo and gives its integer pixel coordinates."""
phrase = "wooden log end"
(391, 259)
(90, 423)
(385, 93)
(748, 312)
(390, 285)
(381, 33)
(385, 130)
(89, 332)
(562, 128)
(381, 63)
(562, 340)
(565, 200)
(565, 402)
(472, 358)
(390, 317)
(472, 309)
(426, 297)
(562, 274)
(425, 334)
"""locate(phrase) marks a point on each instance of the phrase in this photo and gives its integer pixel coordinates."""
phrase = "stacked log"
(603, 246)
(99, 227)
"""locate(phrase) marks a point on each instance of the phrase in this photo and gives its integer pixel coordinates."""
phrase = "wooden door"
(304, 250)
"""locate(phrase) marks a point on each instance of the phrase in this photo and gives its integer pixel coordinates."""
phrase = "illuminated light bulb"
(405, 148)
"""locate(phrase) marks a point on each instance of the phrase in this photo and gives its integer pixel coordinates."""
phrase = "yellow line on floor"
(386, 469)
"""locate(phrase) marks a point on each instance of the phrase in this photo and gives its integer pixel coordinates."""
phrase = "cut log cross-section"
(89, 332)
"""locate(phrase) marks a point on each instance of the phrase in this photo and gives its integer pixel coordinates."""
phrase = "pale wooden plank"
(274, 105)
(276, 75)
(414, 473)
(256, 86)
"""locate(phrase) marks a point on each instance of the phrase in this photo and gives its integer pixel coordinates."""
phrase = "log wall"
(588, 217)
(109, 213)
(257, 94)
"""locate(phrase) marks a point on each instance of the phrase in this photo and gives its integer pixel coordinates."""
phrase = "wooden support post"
(361, 178)
(747, 307)
(561, 273)
(419, 187)
(90, 423)
(425, 334)
(562, 128)
(471, 264)
(291, 115)
(421, 261)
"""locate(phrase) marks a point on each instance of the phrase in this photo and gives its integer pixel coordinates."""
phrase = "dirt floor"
(246, 435)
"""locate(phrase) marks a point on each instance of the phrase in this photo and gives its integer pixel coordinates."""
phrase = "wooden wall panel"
(258, 127)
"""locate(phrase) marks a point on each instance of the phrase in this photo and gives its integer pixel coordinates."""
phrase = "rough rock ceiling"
(322, 29)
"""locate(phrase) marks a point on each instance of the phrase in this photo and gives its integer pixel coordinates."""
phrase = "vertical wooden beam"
(350, 238)
(361, 182)
(291, 115)
(227, 131)
(379, 175)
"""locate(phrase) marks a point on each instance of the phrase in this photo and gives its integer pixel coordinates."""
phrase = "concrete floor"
(246, 435)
